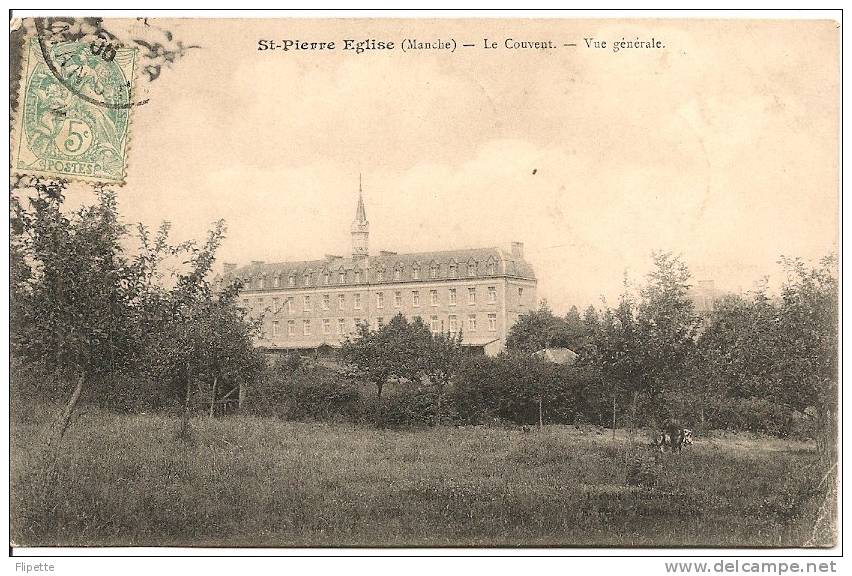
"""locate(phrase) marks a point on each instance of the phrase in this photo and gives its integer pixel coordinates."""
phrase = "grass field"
(241, 481)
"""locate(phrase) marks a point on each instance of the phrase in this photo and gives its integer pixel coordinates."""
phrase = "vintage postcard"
(424, 282)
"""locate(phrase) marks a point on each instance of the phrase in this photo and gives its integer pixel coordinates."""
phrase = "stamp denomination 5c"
(73, 119)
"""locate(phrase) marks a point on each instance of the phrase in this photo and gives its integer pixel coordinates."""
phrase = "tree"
(86, 309)
(538, 329)
(807, 343)
(666, 328)
(392, 352)
(441, 361)
(73, 291)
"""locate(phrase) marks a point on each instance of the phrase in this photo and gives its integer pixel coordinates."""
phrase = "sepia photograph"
(387, 282)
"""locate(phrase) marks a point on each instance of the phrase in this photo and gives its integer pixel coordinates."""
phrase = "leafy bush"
(298, 390)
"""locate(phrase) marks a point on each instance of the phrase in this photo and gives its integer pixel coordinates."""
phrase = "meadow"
(127, 480)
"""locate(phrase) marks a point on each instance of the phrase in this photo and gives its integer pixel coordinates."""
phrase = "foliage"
(392, 352)
(84, 307)
(540, 329)
(303, 390)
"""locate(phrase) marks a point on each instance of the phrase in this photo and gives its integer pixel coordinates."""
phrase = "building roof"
(558, 355)
(384, 265)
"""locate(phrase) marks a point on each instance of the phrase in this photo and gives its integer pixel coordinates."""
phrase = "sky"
(721, 147)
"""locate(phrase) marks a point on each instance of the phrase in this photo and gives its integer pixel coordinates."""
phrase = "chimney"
(518, 249)
(229, 267)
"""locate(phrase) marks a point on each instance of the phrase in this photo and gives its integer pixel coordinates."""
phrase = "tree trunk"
(54, 439)
(213, 395)
(613, 416)
(61, 424)
(184, 430)
(540, 418)
(241, 397)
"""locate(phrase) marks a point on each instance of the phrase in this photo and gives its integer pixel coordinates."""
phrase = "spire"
(360, 212)
(360, 227)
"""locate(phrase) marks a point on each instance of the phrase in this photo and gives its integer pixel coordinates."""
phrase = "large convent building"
(309, 304)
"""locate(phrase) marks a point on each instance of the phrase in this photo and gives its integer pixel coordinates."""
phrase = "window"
(471, 295)
(416, 273)
(452, 296)
(433, 271)
(307, 306)
(520, 296)
(258, 283)
(260, 304)
(341, 325)
(433, 297)
(471, 269)
(454, 324)
(380, 299)
(453, 271)
(292, 280)
(291, 327)
(415, 298)
(380, 276)
(276, 305)
(357, 276)
(492, 322)
(492, 269)
(341, 301)
(433, 323)
(289, 305)
(275, 329)
(276, 282)
(326, 278)
(397, 274)
(326, 301)
(397, 299)
(326, 326)
(307, 279)
(471, 323)
(492, 294)
(342, 276)
(357, 304)
(306, 327)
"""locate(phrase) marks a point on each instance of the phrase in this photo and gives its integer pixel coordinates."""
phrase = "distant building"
(704, 296)
(309, 304)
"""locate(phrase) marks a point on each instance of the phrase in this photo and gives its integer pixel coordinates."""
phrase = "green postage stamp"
(73, 118)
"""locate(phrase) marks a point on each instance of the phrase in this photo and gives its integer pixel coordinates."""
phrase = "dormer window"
(492, 269)
(307, 280)
(276, 282)
(433, 271)
(292, 280)
(380, 276)
(357, 276)
(258, 283)
(416, 273)
(453, 272)
(397, 274)
(471, 269)
(342, 276)
(326, 278)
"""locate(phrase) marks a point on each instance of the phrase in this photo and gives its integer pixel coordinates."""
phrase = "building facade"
(309, 304)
